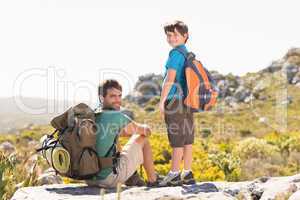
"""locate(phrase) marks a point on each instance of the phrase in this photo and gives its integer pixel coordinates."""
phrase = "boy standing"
(178, 119)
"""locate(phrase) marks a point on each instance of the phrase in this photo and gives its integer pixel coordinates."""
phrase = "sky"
(62, 49)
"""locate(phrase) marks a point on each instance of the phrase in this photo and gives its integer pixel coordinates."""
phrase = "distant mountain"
(21, 112)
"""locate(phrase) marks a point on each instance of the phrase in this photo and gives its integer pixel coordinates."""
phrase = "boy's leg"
(177, 154)
(188, 156)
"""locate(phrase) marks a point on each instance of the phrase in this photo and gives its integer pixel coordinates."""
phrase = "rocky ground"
(264, 188)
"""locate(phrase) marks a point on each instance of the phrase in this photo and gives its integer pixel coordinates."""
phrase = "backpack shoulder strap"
(184, 53)
(187, 55)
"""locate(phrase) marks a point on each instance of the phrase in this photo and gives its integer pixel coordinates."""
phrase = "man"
(112, 123)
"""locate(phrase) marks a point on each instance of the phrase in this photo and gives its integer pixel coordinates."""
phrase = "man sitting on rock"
(113, 123)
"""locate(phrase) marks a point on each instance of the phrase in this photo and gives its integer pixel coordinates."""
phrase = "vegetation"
(230, 144)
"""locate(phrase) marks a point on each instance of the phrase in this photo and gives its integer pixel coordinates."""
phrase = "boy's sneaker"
(171, 180)
(188, 179)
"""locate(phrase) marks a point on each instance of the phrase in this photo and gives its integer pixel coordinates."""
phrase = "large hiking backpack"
(73, 152)
(202, 91)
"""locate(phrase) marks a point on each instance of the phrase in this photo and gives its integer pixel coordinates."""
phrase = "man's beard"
(110, 107)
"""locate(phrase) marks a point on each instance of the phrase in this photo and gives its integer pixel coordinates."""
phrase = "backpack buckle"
(191, 56)
(115, 162)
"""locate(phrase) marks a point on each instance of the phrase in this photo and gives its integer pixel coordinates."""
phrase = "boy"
(178, 119)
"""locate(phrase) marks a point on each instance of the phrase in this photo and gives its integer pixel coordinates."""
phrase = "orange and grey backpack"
(202, 91)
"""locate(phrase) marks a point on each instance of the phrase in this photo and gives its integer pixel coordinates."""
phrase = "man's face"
(175, 38)
(113, 99)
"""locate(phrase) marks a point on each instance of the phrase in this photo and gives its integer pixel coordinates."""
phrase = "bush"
(228, 163)
(255, 148)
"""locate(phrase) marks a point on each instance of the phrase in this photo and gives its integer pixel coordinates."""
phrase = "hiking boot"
(159, 178)
(171, 180)
(188, 179)
(135, 180)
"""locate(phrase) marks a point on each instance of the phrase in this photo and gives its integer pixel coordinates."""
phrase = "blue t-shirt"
(176, 61)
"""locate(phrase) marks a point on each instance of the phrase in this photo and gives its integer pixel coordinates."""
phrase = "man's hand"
(135, 128)
(145, 130)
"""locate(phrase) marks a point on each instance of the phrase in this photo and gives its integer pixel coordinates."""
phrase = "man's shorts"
(130, 159)
(180, 123)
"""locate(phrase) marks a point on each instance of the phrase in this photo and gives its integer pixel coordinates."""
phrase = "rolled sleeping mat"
(56, 156)
(47, 143)
(60, 160)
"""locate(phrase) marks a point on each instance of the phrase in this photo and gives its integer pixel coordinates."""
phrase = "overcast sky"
(62, 48)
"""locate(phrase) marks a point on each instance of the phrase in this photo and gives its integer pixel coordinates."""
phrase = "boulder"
(49, 177)
(295, 196)
(264, 188)
(290, 70)
(241, 93)
(296, 78)
(7, 147)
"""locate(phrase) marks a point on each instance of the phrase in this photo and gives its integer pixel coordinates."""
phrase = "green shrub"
(255, 148)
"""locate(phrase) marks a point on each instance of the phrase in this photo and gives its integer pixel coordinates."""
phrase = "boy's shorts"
(180, 123)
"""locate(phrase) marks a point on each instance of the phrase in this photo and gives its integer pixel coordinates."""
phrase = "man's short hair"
(108, 84)
(180, 26)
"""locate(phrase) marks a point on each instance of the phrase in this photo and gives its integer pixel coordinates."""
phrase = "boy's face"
(175, 38)
(112, 99)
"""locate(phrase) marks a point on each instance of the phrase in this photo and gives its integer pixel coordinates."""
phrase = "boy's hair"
(108, 84)
(180, 26)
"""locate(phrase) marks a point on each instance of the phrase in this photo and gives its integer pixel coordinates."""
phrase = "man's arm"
(135, 128)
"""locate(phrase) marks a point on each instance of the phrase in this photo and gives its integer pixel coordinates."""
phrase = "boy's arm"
(169, 80)
(135, 128)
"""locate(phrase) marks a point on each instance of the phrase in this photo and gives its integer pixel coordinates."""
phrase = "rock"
(255, 190)
(290, 70)
(263, 120)
(169, 198)
(223, 86)
(296, 78)
(274, 188)
(82, 192)
(298, 85)
(262, 179)
(260, 86)
(274, 67)
(262, 97)
(228, 100)
(293, 56)
(7, 147)
(217, 76)
(249, 98)
(241, 93)
(264, 188)
(49, 177)
(287, 101)
(198, 188)
(292, 52)
(232, 102)
(147, 87)
(295, 196)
